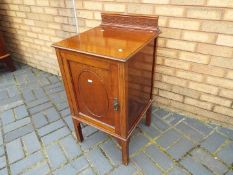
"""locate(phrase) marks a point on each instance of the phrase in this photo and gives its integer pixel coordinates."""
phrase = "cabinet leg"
(119, 142)
(148, 116)
(78, 130)
(125, 151)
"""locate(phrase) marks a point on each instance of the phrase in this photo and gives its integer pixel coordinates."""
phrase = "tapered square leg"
(78, 130)
(119, 142)
(148, 116)
(125, 151)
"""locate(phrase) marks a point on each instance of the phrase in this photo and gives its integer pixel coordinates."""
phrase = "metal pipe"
(75, 16)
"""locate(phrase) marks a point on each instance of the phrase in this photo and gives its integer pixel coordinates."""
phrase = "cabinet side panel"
(140, 74)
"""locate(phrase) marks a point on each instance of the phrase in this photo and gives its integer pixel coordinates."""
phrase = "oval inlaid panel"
(93, 93)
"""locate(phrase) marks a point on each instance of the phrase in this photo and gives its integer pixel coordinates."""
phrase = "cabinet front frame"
(120, 130)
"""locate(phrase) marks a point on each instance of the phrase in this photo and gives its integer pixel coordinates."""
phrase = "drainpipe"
(75, 16)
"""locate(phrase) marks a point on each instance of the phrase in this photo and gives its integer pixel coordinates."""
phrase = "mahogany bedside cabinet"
(5, 56)
(108, 75)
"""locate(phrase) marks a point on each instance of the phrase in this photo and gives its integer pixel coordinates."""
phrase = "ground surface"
(37, 137)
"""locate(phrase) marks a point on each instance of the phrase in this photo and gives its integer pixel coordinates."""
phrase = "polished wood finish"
(125, 151)
(129, 21)
(106, 41)
(78, 131)
(4, 55)
(108, 75)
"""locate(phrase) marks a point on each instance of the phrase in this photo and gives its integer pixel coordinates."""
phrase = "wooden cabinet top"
(118, 37)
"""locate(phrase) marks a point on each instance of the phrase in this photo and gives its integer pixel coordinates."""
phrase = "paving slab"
(99, 161)
(159, 157)
(37, 136)
(209, 161)
(226, 153)
(146, 165)
(14, 150)
(213, 142)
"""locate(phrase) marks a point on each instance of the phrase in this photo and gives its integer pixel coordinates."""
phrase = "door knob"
(115, 104)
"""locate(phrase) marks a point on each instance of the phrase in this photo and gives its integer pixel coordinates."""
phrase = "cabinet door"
(95, 88)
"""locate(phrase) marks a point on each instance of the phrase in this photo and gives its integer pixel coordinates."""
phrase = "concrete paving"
(37, 136)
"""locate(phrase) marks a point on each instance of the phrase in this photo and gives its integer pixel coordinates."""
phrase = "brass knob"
(115, 104)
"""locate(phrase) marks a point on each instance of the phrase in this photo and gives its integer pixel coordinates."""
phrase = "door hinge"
(116, 104)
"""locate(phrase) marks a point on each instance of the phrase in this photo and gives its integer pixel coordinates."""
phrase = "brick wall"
(31, 26)
(194, 73)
